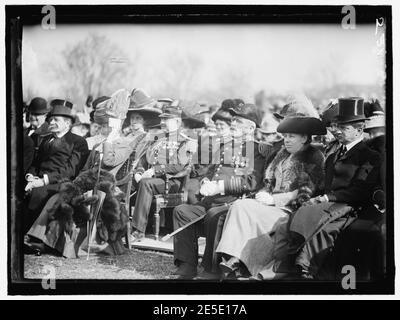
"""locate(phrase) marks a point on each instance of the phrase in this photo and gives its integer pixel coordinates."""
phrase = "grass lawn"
(136, 264)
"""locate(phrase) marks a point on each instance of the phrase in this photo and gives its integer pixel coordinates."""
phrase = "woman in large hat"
(295, 175)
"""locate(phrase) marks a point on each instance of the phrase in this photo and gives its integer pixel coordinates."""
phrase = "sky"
(275, 58)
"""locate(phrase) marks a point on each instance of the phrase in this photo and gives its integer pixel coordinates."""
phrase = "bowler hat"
(247, 111)
(139, 98)
(222, 115)
(38, 106)
(60, 102)
(64, 111)
(350, 110)
(301, 125)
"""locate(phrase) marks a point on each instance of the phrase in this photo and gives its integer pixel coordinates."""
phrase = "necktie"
(342, 151)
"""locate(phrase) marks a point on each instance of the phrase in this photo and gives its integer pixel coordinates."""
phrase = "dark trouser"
(186, 242)
(213, 224)
(35, 203)
(145, 195)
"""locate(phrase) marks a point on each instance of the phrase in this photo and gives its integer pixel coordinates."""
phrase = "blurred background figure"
(84, 115)
(99, 129)
(267, 131)
(328, 117)
(375, 126)
(163, 102)
(80, 129)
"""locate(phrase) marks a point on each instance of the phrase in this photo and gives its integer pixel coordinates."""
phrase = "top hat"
(38, 106)
(60, 102)
(301, 125)
(64, 111)
(350, 110)
(139, 98)
(247, 111)
(171, 111)
(330, 112)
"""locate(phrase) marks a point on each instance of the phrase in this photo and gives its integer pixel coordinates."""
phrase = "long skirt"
(248, 233)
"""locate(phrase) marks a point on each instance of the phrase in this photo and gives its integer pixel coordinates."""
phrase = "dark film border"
(17, 16)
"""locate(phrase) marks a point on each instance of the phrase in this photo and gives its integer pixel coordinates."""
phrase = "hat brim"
(278, 116)
(168, 115)
(375, 122)
(194, 123)
(63, 115)
(244, 116)
(343, 120)
(302, 125)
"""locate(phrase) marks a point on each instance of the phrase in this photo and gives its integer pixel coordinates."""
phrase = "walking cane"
(94, 211)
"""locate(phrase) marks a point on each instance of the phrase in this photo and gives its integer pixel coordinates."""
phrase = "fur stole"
(305, 174)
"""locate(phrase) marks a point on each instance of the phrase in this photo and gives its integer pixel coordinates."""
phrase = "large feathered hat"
(298, 104)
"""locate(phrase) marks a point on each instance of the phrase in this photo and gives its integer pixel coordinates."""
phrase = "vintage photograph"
(186, 150)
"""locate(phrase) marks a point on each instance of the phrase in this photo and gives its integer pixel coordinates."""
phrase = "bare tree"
(93, 66)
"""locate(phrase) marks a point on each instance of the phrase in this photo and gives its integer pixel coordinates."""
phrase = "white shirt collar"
(352, 144)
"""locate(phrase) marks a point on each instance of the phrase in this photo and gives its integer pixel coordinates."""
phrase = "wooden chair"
(170, 200)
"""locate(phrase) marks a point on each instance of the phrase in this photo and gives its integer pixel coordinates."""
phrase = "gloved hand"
(35, 183)
(149, 173)
(137, 177)
(211, 188)
(265, 198)
(117, 106)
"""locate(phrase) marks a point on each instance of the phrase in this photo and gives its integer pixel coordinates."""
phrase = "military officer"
(237, 171)
(167, 155)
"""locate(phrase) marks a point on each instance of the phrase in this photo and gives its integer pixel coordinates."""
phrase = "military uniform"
(167, 156)
(239, 164)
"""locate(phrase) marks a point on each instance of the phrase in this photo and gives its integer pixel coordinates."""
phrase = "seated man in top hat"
(351, 173)
(61, 155)
(166, 155)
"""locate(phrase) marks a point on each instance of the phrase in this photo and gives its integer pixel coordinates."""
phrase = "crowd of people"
(270, 195)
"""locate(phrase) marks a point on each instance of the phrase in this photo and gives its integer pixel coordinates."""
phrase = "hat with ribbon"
(38, 106)
(62, 103)
(63, 111)
(350, 110)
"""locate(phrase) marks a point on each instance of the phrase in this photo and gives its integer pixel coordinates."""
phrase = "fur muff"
(114, 217)
(72, 206)
(306, 174)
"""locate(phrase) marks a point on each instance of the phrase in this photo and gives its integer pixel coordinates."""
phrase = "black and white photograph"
(199, 149)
